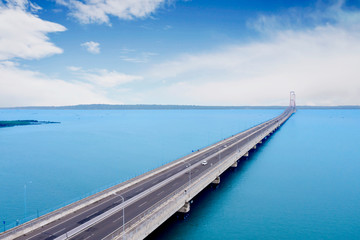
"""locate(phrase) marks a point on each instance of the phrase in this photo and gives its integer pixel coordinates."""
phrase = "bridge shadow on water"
(202, 203)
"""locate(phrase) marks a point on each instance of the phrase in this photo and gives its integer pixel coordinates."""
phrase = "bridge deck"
(104, 218)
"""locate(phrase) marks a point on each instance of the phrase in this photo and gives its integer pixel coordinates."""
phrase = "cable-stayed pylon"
(292, 100)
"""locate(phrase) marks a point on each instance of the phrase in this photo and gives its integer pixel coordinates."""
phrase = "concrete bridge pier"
(185, 208)
(254, 147)
(217, 180)
(246, 154)
(235, 164)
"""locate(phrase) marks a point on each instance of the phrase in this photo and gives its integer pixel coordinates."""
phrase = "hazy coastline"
(169, 107)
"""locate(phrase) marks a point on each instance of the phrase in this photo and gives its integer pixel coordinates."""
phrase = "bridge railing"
(72, 206)
(170, 204)
(177, 197)
(52, 216)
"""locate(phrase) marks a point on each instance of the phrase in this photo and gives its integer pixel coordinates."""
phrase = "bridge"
(135, 208)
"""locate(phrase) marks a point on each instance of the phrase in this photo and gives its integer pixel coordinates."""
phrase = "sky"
(187, 52)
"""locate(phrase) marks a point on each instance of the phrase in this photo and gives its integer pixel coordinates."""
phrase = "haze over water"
(302, 183)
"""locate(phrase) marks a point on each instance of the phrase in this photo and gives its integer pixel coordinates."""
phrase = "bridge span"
(135, 208)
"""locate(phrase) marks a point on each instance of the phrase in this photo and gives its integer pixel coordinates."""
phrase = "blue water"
(90, 150)
(301, 184)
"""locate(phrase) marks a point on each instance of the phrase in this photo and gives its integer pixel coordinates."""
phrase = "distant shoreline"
(168, 107)
(13, 123)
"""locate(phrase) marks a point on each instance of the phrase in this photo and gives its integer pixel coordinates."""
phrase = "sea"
(301, 183)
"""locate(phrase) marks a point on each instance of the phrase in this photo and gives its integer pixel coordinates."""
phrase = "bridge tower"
(292, 100)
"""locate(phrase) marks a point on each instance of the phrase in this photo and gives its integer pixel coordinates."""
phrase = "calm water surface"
(301, 184)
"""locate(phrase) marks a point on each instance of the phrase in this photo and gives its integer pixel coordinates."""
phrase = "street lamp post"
(123, 210)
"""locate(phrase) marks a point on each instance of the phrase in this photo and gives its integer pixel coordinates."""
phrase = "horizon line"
(175, 106)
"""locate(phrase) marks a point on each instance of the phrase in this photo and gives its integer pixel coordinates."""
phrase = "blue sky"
(214, 52)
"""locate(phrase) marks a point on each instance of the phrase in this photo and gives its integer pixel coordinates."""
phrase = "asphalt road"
(115, 221)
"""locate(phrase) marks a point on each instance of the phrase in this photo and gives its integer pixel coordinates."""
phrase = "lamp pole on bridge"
(123, 217)
(123, 210)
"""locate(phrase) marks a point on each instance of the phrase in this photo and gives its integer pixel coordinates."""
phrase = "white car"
(204, 162)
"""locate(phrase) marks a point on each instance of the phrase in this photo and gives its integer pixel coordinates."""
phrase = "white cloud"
(23, 34)
(136, 57)
(99, 11)
(28, 88)
(92, 47)
(168, 27)
(74, 69)
(34, 7)
(320, 63)
(300, 18)
(103, 78)
(22, 4)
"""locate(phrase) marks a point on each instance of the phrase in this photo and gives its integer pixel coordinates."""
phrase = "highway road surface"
(137, 199)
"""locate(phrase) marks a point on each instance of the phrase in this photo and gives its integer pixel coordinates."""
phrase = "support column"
(254, 147)
(216, 181)
(235, 164)
(185, 208)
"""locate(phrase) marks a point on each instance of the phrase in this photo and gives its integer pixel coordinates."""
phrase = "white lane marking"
(81, 228)
(117, 219)
(265, 124)
(91, 214)
(130, 201)
(142, 204)
(203, 151)
(89, 236)
(46, 230)
(58, 231)
(160, 193)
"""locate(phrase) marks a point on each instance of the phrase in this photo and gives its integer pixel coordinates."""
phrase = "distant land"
(169, 107)
(22, 123)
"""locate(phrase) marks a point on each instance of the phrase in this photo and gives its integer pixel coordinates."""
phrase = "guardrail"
(74, 206)
(146, 222)
(59, 213)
